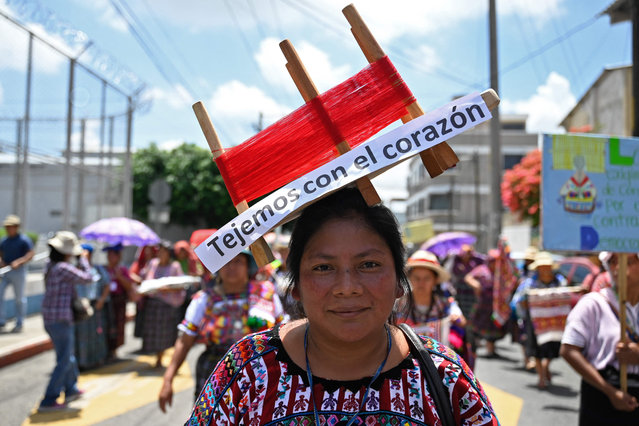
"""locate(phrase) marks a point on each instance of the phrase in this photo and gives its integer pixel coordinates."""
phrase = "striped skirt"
(159, 330)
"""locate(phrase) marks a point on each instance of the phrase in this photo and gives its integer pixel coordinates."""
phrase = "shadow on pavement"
(68, 413)
(559, 408)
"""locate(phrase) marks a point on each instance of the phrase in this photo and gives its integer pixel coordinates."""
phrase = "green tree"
(198, 194)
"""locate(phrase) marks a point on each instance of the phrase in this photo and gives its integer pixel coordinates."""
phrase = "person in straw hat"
(435, 312)
(591, 345)
(60, 277)
(16, 250)
(544, 276)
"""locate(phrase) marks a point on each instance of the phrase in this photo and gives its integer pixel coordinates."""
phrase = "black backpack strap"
(438, 392)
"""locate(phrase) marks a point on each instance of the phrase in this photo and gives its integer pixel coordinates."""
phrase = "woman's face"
(164, 254)
(422, 280)
(347, 282)
(113, 257)
(544, 272)
(236, 272)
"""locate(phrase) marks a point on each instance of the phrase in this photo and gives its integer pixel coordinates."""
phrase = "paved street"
(125, 393)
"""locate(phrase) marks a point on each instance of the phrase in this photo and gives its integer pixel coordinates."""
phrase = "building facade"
(459, 199)
(606, 108)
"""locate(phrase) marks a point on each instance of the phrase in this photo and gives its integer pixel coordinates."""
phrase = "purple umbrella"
(114, 230)
(442, 244)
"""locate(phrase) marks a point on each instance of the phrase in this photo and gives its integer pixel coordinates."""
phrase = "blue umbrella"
(444, 243)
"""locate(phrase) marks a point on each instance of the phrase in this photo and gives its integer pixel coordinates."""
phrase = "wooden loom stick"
(309, 92)
(260, 248)
(623, 295)
(436, 159)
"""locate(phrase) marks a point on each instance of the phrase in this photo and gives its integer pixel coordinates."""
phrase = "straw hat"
(66, 243)
(11, 220)
(543, 258)
(426, 259)
(530, 253)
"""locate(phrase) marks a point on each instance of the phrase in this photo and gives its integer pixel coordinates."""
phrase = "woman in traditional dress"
(161, 309)
(221, 315)
(91, 333)
(481, 323)
(122, 289)
(344, 361)
(592, 346)
(434, 313)
(544, 277)
(60, 278)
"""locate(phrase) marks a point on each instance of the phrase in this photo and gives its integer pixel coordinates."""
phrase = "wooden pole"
(436, 159)
(309, 92)
(260, 248)
(622, 289)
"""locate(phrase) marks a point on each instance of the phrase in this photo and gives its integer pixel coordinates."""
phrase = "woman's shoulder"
(238, 356)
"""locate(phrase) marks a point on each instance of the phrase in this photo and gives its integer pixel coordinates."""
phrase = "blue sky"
(225, 53)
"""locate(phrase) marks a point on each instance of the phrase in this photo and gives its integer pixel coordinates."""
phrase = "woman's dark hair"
(346, 203)
(55, 256)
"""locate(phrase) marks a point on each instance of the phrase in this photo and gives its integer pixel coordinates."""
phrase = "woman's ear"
(295, 293)
(399, 292)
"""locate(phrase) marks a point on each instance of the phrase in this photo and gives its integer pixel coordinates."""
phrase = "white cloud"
(177, 97)
(547, 107)
(237, 107)
(425, 58)
(14, 54)
(91, 137)
(170, 144)
(387, 20)
(323, 73)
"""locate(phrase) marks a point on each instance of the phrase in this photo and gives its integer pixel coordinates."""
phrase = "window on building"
(439, 202)
(519, 125)
(510, 160)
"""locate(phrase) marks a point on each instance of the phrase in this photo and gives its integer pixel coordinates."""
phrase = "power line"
(552, 43)
(148, 49)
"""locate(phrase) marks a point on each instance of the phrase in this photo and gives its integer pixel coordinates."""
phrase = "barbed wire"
(76, 44)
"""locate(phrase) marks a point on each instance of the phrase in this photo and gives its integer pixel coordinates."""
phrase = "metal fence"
(66, 119)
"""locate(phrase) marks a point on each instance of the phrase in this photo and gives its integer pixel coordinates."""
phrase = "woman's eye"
(322, 268)
(370, 264)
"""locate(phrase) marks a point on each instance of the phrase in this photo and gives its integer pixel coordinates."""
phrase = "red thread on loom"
(354, 110)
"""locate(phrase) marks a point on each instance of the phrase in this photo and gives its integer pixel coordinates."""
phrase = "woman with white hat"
(544, 277)
(60, 278)
(433, 311)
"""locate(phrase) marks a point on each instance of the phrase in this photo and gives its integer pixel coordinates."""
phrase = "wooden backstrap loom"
(436, 159)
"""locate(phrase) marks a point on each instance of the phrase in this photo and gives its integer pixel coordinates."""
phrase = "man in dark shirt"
(16, 250)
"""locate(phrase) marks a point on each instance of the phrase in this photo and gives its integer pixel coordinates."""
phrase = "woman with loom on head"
(345, 362)
(219, 316)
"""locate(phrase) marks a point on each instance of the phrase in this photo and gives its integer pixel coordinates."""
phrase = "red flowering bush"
(520, 187)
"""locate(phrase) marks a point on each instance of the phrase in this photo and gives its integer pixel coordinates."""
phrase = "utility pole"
(495, 129)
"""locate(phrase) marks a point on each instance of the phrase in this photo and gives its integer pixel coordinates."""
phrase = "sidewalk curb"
(33, 347)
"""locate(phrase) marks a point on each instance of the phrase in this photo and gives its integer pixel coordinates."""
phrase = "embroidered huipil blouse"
(218, 319)
(257, 383)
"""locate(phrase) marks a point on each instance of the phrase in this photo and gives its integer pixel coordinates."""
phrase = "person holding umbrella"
(591, 345)
(122, 288)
